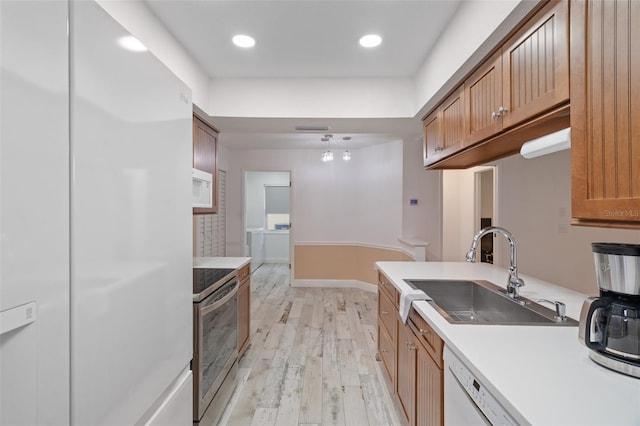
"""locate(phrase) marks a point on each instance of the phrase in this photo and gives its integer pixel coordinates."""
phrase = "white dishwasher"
(466, 401)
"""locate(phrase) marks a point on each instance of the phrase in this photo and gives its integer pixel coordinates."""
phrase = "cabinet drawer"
(432, 343)
(386, 348)
(243, 273)
(387, 314)
(388, 288)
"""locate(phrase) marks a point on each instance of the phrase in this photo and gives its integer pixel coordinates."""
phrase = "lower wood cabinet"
(420, 380)
(244, 309)
(407, 376)
(429, 387)
(412, 357)
(387, 351)
(387, 326)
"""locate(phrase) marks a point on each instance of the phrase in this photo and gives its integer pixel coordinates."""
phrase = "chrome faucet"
(514, 282)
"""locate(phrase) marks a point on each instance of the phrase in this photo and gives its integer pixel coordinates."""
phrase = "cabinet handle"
(384, 312)
(411, 346)
(439, 148)
(384, 350)
(424, 331)
(501, 111)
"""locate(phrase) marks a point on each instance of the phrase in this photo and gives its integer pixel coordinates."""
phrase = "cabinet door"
(388, 288)
(407, 372)
(432, 138)
(244, 310)
(535, 65)
(483, 97)
(605, 112)
(205, 140)
(452, 117)
(429, 390)
(444, 128)
(387, 314)
(387, 351)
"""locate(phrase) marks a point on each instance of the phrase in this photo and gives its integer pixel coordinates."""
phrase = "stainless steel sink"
(481, 302)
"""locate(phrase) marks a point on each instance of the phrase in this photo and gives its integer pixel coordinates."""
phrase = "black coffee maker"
(610, 324)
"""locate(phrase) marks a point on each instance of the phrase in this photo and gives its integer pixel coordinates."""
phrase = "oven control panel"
(485, 402)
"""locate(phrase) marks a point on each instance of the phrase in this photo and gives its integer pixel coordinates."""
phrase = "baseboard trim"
(275, 260)
(371, 288)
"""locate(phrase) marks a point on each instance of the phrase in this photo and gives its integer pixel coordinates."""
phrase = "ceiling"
(278, 133)
(306, 39)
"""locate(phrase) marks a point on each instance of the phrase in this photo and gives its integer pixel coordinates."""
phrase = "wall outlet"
(413, 201)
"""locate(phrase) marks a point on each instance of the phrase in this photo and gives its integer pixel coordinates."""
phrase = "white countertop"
(541, 374)
(220, 262)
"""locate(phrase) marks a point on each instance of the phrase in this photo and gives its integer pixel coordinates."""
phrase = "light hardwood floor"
(312, 359)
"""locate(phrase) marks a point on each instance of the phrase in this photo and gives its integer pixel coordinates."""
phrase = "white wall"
(357, 201)
(421, 221)
(486, 194)
(223, 158)
(458, 215)
(312, 97)
(136, 17)
(536, 207)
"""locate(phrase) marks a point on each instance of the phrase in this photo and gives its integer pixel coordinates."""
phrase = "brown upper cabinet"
(483, 91)
(517, 94)
(528, 76)
(605, 113)
(535, 66)
(444, 129)
(205, 139)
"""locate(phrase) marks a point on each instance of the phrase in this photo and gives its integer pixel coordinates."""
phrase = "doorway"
(468, 205)
(484, 195)
(267, 217)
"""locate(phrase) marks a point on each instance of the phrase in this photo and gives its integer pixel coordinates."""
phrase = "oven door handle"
(225, 299)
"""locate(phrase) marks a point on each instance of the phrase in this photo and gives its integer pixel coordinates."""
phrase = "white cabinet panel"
(131, 221)
(34, 209)
(276, 247)
(177, 406)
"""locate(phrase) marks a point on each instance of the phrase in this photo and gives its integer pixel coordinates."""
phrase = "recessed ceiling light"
(131, 43)
(370, 40)
(245, 41)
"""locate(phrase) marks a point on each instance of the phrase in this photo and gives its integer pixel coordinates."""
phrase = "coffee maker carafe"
(610, 324)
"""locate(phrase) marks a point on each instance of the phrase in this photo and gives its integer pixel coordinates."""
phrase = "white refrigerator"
(97, 158)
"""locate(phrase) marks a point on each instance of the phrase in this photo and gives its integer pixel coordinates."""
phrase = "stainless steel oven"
(215, 341)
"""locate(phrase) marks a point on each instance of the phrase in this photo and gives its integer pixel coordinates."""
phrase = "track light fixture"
(327, 155)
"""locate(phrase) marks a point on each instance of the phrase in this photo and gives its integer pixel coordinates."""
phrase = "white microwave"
(202, 188)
